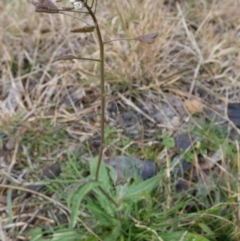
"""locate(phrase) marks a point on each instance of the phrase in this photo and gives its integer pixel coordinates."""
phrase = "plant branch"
(108, 196)
(101, 48)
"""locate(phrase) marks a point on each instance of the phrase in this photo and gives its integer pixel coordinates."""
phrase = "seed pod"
(46, 6)
(85, 29)
(148, 38)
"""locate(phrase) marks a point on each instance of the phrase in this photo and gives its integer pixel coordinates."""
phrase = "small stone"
(176, 121)
(158, 117)
(180, 167)
(10, 145)
(52, 171)
(132, 167)
(182, 185)
(183, 141)
(234, 113)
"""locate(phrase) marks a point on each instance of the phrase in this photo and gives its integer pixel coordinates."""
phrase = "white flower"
(77, 5)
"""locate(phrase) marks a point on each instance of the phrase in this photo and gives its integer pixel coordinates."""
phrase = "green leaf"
(168, 142)
(60, 235)
(206, 228)
(77, 199)
(36, 234)
(103, 178)
(100, 214)
(106, 184)
(176, 236)
(136, 192)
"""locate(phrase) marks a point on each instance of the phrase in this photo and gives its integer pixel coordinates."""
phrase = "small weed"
(50, 102)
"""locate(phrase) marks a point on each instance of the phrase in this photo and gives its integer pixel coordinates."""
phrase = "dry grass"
(196, 57)
(197, 48)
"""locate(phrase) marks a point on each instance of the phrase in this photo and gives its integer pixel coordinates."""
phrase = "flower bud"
(77, 5)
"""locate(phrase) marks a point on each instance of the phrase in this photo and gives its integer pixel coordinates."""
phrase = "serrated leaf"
(85, 29)
(148, 38)
(77, 199)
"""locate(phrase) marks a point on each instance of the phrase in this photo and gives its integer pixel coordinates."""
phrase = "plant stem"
(108, 196)
(101, 48)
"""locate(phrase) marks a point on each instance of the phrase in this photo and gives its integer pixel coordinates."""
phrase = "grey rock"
(128, 119)
(52, 171)
(10, 145)
(234, 113)
(183, 141)
(132, 167)
(183, 168)
(180, 167)
(182, 185)
(234, 135)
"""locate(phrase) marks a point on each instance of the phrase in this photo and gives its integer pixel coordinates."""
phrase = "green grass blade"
(135, 192)
(77, 199)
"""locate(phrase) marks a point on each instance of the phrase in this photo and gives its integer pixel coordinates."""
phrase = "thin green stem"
(101, 48)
